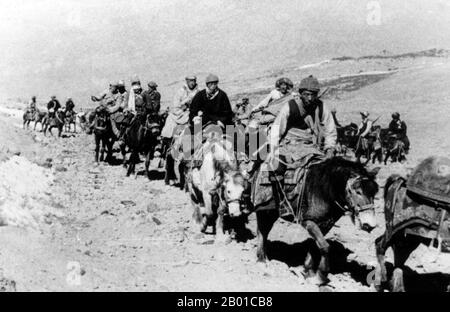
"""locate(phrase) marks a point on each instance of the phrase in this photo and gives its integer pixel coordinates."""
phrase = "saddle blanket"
(403, 208)
(294, 179)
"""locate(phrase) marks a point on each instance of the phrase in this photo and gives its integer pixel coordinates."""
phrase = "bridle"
(352, 207)
(224, 201)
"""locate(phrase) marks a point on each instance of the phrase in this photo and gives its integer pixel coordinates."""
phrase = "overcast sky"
(73, 48)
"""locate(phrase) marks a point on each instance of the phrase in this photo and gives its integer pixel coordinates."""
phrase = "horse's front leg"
(207, 212)
(102, 149)
(381, 273)
(147, 162)
(265, 220)
(109, 146)
(218, 228)
(315, 232)
(97, 147)
(124, 154)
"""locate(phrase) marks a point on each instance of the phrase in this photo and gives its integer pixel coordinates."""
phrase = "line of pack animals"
(286, 157)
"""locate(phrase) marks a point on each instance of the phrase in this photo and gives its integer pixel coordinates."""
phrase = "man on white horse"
(211, 105)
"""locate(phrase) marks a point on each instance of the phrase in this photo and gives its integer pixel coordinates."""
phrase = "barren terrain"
(71, 225)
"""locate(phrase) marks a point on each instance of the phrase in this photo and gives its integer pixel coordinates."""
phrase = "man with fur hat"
(283, 87)
(211, 105)
(298, 131)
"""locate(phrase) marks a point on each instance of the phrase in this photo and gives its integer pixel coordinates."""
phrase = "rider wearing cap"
(364, 129)
(179, 111)
(108, 100)
(53, 104)
(32, 105)
(108, 97)
(398, 128)
(211, 104)
(152, 98)
(283, 87)
(308, 114)
(69, 105)
(122, 95)
(365, 126)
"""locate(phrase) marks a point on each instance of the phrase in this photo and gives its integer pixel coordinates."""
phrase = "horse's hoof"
(222, 239)
(261, 259)
(397, 281)
(317, 280)
(325, 288)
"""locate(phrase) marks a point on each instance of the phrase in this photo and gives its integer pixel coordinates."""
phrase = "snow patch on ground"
(24, 193)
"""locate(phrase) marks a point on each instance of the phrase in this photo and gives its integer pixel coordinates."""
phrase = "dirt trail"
(104, 231)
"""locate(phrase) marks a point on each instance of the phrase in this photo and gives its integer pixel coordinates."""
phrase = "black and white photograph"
(250, 147)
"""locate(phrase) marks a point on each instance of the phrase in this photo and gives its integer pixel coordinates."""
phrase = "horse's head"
(152, 124)
(232, 187)
(360, 192)
(231, 182)
(101, 120)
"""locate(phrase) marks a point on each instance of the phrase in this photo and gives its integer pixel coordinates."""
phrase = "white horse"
(216, 187)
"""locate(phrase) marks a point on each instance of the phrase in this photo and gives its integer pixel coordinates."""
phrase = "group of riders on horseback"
(288, 166)
(371, 141)
(55, 116)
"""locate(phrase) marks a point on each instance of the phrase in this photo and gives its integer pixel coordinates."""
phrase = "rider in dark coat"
(152, 98)
(53, 104)
(213, 103)
(398, 128)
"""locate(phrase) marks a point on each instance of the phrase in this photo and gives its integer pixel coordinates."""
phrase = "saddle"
(294, 180)
(405, 208)
(431, 180)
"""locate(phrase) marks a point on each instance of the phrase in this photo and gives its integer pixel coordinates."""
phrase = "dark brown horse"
(27, 118)
(410, 221)
(394, 148)
(346, 138)
(40, 117)
(142, 136)
(370, 147)
(56, 120)
(332, 188)
(103, 134)
(70, 119)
